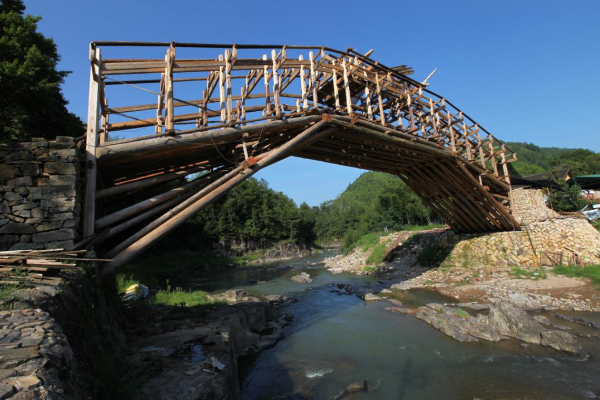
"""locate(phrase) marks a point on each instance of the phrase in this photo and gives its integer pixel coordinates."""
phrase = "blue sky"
(525, 70)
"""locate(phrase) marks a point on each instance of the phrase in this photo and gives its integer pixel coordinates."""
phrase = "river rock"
(303, 277)
(562, 341)
(356, 387)
(475, 306)
(578, 320)
(510, 320)
(542, 319)
(371, 297)
(233, 296)
(404, 286)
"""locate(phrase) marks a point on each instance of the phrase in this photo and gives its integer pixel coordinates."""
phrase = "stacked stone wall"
(38, 194)
(530, 206)
(568, 236)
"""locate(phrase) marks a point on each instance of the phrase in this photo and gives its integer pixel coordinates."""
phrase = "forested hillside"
(533, 159)
(374, 202)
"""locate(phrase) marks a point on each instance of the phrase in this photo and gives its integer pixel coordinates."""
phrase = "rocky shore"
(493, 302)
(197, 357)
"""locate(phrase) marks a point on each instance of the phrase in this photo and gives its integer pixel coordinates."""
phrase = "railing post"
(170, 120)
(89, 202)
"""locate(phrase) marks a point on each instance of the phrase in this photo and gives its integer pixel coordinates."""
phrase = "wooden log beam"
(154, 180)
(190, 207)
(137, 208)
(161, 145)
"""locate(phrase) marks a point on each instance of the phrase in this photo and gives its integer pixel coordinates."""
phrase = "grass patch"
(368, 240)
(156, 267)
(376, 256)
(7, 292)
(412, 228)
(178, 296)
(520, 273)
(590, 271)
(123, 282)
(596, 224)
(462, 313)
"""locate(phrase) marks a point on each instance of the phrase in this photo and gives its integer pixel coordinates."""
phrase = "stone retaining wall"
(36, 359)
(524, 248)
(530, 206)
(38, 194)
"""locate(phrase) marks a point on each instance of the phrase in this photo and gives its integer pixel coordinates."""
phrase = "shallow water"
(336, 340)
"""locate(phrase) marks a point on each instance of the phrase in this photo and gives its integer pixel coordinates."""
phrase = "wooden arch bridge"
(218, 113)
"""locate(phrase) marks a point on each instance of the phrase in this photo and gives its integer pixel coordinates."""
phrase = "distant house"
(542, 180)
(590, 186)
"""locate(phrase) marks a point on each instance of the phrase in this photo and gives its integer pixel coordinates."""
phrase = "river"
(336, 340)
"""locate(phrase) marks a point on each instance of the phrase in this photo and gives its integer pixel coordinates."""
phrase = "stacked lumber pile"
(39, 262)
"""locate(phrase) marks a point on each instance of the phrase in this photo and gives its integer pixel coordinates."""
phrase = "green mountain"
(373, 202)
(532, 159)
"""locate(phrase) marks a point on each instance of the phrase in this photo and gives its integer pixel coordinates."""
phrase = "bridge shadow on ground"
(415, 255)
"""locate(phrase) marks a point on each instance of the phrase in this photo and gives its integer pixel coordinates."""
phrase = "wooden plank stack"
(38, 262)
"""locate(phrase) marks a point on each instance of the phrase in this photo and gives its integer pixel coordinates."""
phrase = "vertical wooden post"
(159, 106)
(433, 119)
(276, 85)
(313, 79)
(466, 137)
(243, 102)
(451, 132)
(303, 84)
(379, 100)
(411, 113)
(89, 202)
(169, 59)
(336, 92)
(228, 58)
(222, 91)
(104, 123)
(267, 94)
(493, 155)
(504, 165)
(347, 89)
(480, 146)
(368, 97)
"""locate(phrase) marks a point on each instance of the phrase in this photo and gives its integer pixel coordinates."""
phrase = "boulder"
(562, 341)
(302, 278)
(371, 297)
(510, 320)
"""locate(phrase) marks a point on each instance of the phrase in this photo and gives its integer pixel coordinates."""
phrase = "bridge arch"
(338, 107)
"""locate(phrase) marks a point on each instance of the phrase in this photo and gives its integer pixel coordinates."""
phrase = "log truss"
(222, 112)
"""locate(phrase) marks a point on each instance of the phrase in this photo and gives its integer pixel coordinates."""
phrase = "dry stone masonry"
(530, 206)
(38, 194)
(543, 232)
(36, 361)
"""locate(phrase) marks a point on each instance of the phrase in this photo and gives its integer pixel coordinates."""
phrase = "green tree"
(31, 103)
